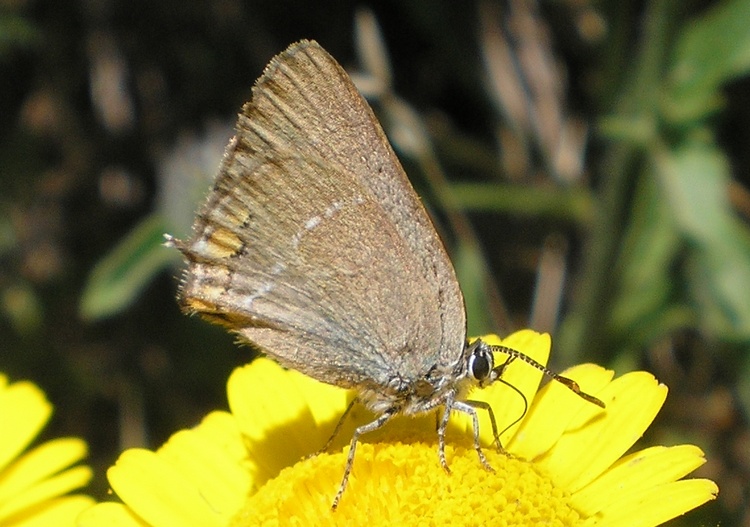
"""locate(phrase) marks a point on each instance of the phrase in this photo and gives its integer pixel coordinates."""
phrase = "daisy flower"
(34, 484)
(566, 460)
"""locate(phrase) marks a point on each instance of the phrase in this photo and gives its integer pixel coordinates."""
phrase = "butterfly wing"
(313, 244)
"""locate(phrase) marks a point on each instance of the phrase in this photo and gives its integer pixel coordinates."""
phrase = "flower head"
(563, 463)
(34, 483)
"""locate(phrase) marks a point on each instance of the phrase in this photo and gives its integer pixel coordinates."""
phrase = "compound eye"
(480, 364)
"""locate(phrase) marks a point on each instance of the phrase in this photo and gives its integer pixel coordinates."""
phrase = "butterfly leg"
(364, 429)
(337, 429)
(487, 408)
(467, 408)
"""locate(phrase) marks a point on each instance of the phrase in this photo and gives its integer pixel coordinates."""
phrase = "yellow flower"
(34, 484)
(564, 463)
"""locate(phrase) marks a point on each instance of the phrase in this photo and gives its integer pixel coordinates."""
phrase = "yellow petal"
(158, 492)
(60, 512)
(555, 409)
(637, 472)
(632, 401)
(40, 463)
(653, 506)
(326, 402)
(24, 410)
(213, 468)
(509, 406)
(263, 401)
(35, 496)
(109, 515)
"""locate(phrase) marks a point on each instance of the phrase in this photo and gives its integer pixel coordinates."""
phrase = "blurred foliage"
(122, 274)
(624, 135)
(684, 248)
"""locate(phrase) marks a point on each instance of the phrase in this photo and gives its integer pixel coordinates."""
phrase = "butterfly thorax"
(416, 396)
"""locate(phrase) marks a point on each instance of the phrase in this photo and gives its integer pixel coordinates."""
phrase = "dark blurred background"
(586, 162)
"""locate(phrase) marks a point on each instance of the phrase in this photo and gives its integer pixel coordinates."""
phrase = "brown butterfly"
(314, 246)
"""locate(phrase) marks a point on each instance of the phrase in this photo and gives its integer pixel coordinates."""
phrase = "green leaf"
(646, 286)
(118, 279)
(719, 278)
(712, 50)
(694, 179)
